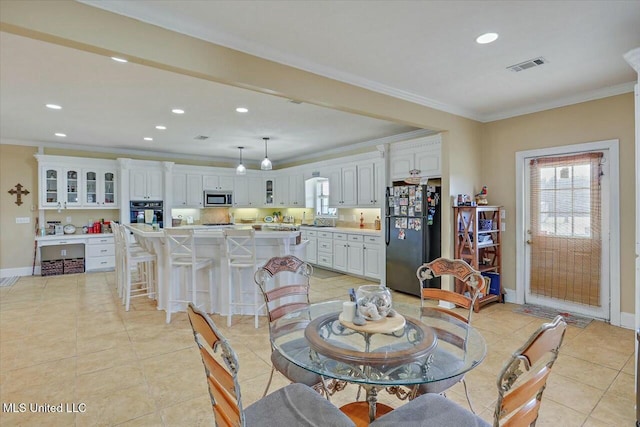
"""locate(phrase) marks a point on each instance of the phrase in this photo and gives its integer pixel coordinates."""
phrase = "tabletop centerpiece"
(374, 302)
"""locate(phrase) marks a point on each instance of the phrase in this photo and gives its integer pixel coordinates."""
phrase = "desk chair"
(293, 405)
(521, 383)
(241, 254)
(180, 255)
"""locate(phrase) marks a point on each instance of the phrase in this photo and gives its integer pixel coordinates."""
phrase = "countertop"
(365, 231)
(75, 236)
(212, 231)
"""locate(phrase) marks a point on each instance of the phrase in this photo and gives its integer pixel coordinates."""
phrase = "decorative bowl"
(69, 229)
(374, 301)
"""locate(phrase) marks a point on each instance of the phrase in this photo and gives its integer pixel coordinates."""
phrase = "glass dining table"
(398, 353)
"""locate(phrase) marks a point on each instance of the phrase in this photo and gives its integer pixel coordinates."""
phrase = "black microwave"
(213, 199)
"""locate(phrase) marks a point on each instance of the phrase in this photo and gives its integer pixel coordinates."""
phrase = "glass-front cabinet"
(62, 185)
(99, 188)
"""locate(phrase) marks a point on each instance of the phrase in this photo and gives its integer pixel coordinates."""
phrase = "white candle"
(348, 311)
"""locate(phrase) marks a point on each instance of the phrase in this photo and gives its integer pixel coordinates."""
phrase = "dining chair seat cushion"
(430, 410)
(442, 360)
(295, 405)
(289, 369)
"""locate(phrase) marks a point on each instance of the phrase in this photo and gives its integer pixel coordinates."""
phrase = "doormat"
(550, 314)
(321, 273)
(8, 281)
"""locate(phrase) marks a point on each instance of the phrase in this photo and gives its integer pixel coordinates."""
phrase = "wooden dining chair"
(293, 405)
(521, 383)
(474, 284)
(284, 283)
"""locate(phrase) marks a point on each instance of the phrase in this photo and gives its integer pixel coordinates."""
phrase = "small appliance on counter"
(145, 208)
(54, 227)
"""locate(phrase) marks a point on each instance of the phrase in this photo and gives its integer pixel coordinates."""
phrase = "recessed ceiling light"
(160, 127)
(242, 110)
(148, 138)
(177, 111)
(487, 38)
(115, 58)
(54, 106)
(61, 135)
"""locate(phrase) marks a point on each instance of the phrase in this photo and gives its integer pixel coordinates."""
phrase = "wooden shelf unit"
(478, 242)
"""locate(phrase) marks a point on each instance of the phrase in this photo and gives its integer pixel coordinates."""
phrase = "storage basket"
(51, 268)
(74, 265)
(485, 224)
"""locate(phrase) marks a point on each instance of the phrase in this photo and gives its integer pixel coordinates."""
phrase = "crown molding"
(633, 58)
(365, 144)
(563, 102)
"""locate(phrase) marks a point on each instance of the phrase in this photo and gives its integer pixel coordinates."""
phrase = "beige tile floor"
(67, 339)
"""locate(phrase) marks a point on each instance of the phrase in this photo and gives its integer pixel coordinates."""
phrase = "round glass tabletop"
(430, 347)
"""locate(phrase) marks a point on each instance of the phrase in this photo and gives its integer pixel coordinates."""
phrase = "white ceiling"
(422, 51)
(425, 51)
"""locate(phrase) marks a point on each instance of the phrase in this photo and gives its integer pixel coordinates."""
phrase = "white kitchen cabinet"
(311, 252)
(423, 155)
(195, 195)
(179, 190)
(355, 254)
(99, 188)
(340, 252)
(343, 186)
(241, 191)
(281, 191)
(145, 184)
(258, 192)
(325, 249)
(75, 182)
(268, 188)
(218, 182)
(100, 253)
(372, 251)
(370, 184)
(296, 190)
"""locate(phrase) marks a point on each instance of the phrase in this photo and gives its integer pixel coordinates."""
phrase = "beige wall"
(17, 165)
(604, 119)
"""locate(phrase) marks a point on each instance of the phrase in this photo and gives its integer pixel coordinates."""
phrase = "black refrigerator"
(412, 234)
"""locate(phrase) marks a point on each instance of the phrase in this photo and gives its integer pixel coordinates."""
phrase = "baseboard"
(21, 271)
(627, 320)
(510, 295)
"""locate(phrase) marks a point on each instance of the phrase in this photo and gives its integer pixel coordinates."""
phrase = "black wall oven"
(138, 209)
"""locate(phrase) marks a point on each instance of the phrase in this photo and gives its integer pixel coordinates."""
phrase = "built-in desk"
(98, 250)
(210, 243)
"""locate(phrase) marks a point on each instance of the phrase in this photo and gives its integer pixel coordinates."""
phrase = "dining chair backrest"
(221, 370)
(241, 247)
(474, 282)
(283, 299)
(523, 378)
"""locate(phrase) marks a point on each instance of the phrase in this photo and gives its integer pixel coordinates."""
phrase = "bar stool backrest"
(180, 245)
(240, 247)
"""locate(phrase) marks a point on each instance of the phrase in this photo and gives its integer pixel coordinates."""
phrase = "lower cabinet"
(340, 251)
(372, 249)
(325, 249)
(100, 254)
(311, 254)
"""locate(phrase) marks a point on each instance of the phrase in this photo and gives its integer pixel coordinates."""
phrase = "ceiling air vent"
(527, 64)
(201, 137)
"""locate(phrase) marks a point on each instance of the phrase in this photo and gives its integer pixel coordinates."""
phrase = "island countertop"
(145, 230)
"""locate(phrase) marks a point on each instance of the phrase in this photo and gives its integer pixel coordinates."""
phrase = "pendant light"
(241, 170)
(266, 163)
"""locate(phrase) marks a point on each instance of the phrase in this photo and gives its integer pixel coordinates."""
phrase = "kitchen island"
(210, 243)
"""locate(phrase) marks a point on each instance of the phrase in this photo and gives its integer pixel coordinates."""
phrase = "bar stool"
(241, 254)
(119, 234)
(144, 264)
(180, 247)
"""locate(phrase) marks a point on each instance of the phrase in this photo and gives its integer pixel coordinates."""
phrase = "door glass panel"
(52, 185)
(91, 187)
(72, 186)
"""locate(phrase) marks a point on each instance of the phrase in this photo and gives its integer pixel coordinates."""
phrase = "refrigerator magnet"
(403, 210)
(412, 191)
(411, 211)
(401, 235)
(396, 210)
(398, 223)
(412, 224)
(418, 207)
(417, 224)
(403, 222)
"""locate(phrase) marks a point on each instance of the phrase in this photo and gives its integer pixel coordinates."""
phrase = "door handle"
(529, 242)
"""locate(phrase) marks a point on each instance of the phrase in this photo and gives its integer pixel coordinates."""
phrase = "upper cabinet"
(370, 183)
(99, 187)
(63, 185)
(422, 154)
(296, 190)
(218, 182)
(281, 191)
(343, 186)
(187, 190)
(146, 184)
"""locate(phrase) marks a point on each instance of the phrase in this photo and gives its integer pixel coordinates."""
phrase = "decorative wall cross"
(19, 192)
